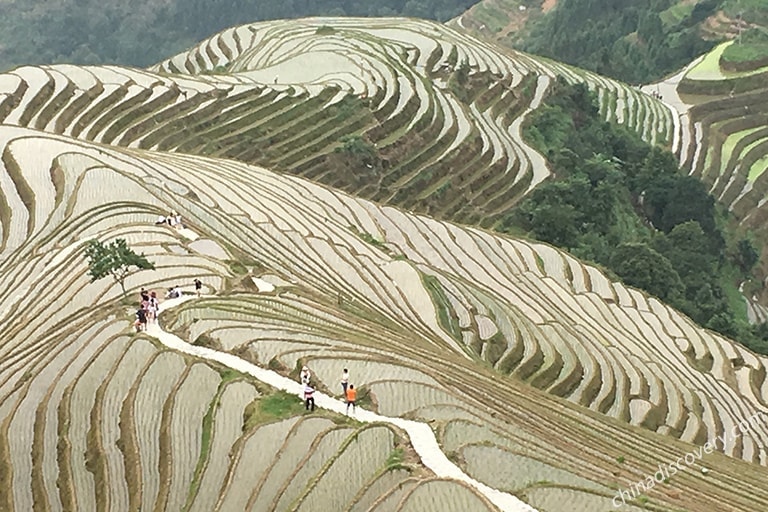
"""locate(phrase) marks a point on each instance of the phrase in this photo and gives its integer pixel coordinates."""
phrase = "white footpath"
(421, 435)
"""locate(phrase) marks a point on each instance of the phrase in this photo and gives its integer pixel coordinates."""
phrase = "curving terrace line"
(421, 435)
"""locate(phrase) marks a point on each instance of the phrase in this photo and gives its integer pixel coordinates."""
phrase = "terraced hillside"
(724, 133)
(519, 356)
(730, 122)
(539, 376)
(401, 111)
(94, 417)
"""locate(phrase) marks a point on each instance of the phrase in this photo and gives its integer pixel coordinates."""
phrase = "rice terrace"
(346, 190)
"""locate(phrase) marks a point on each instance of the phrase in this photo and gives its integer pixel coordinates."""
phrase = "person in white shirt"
(304, 377)
(345, 380)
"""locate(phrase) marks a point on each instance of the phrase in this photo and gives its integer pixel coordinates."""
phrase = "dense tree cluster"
(633, 40)
(625, 205)
(142, 32)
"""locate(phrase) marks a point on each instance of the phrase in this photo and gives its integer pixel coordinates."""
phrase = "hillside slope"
(429, 319)
(724, 141)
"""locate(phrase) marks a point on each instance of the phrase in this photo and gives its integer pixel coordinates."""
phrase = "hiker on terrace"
(351, 398)
(153, 308)
(141, 320)
(198, 286)
(304, 377)
(309, 400)
(174, 292)
(345, 380)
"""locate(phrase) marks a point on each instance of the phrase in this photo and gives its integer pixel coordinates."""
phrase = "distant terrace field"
(400, 111)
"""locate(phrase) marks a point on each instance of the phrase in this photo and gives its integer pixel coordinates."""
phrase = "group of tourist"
(350, 393)
(173, 219)
(149, 306)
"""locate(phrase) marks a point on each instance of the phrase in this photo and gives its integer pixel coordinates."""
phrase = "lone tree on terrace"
(114, 259)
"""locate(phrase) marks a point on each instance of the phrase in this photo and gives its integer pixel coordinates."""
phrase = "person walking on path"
(351, 398)
(141, 320)
(309, 400)
(151, 310)
(153, 307)
(304, 377)
(345, 380)
(198, 286)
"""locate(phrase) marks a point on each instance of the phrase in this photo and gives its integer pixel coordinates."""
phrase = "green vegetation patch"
(709, 67)
(758, 168)
(396, 460)
(491, 17)
(676, 14)
(745, 53)
(748, 53)
(273, 407)
(753, 11)
(715, 67)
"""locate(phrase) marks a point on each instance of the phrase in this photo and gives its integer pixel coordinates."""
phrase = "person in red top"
(351, 397)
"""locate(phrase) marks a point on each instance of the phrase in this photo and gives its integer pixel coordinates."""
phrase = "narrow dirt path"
(421, 435)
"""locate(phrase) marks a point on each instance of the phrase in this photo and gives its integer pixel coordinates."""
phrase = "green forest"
(625, 205)
(140, 33)
(636, 41)
(640, 41)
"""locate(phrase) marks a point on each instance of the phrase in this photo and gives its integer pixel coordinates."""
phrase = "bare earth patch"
(548, 5)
